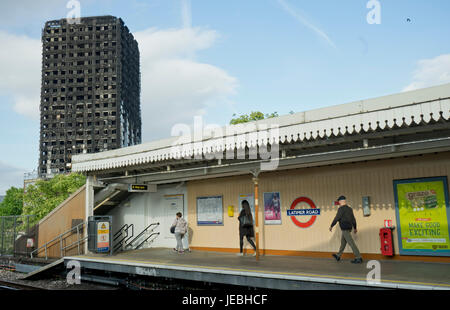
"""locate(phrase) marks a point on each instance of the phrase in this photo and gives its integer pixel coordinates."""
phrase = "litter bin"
(99, 234)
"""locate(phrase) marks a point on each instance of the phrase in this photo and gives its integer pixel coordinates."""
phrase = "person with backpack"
(347, 221)
(246, 227)
(180, 229)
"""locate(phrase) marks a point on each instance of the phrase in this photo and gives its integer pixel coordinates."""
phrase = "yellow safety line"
(263, 271)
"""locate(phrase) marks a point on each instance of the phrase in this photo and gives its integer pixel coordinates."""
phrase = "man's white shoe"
(240, 254)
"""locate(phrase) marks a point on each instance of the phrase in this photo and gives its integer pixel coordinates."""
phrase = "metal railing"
(130, 244)
(119, 232)
(122, 232)
(146, 239)
(132, 233)
(61, 238)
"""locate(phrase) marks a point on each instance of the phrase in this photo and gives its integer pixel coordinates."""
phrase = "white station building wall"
(143, 209)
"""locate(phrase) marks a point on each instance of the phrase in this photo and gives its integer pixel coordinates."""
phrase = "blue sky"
(235, 57)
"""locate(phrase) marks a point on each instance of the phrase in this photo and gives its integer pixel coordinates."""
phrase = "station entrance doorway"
(172, 205)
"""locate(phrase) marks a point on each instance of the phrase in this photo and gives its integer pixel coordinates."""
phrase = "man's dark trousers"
(347, 238)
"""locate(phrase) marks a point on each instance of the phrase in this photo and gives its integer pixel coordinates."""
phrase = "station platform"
(270, 272)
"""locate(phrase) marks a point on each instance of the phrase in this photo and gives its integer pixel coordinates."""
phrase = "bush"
(12, 203)
(45, 195)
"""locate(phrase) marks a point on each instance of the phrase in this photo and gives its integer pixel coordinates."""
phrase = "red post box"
(387, 246)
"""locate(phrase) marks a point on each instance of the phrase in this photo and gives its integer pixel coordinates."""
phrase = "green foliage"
(253, 116)
(45, 195)
(12, 203)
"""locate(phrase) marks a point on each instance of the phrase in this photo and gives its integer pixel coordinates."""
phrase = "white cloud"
(20, 74)
(29, 14)
(173, 43)
(431, 72)
(176, 87)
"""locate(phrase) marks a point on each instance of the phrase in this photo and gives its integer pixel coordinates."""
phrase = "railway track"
(14, 286)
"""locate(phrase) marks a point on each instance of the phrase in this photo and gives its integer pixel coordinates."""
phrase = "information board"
(422, 209)
(209, 210)
(103, 237)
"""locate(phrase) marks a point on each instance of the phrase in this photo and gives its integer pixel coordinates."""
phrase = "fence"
(14, 234)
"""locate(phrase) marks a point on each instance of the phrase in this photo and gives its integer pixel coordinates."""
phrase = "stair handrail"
(76, 242)
(152, 234)
(118, 233)
(141, 233)
(125, 238)
(132, 232)
(77, 227)
(119, 244)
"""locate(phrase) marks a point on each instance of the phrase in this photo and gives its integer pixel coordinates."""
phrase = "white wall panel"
(142, 209)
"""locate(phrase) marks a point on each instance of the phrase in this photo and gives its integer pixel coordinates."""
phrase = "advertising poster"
(272, 208)
(209, 210)
(422, 209)
(251, 201)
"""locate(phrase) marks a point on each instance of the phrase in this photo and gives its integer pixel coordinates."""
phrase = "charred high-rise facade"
(90, 95)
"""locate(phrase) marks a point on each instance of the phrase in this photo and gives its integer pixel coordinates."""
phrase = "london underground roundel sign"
(313, 212)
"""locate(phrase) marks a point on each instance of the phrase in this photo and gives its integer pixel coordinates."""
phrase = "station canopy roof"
(422, 114)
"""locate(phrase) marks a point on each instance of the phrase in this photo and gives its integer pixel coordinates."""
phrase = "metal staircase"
(137, 242)
(122, 237)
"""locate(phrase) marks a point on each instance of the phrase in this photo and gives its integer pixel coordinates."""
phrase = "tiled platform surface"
(276, 272)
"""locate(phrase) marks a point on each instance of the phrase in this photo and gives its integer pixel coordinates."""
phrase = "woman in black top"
(246, 226)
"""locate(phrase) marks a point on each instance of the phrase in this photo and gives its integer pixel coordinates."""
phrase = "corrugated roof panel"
(292, 128)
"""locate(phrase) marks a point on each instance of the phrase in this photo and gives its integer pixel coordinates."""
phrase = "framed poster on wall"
(272, 208)
(209, 210)
(422, 210)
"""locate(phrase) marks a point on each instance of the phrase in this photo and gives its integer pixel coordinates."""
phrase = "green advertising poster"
(422, 210)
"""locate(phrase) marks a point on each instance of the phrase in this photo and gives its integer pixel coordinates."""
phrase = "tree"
(253, 116)
(45, 195)
(12, 203)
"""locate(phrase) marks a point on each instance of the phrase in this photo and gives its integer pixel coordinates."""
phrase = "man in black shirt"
(346, 221)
